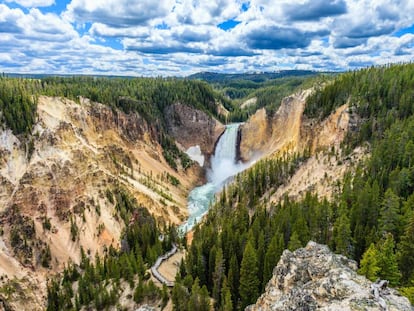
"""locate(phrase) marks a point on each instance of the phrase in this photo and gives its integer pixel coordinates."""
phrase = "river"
(223, 166)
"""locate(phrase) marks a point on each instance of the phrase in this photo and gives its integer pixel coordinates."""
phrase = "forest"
(371, 218)
(234, 250)
(99, 282)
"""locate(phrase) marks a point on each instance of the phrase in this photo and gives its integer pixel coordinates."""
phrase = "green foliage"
(171, 153)
(45, 257)
(370, 214)
(273, 253)
(172, 180)
(377, 94)
(146, 96)
(369, 263)
(387, 260)
(188, 296)
(294, 242)
(46, 223)
(74, 230)
(99, 279)
(342, 238)
(249, 280)
(405, 253)
(17, 104)
(408, 292)
(389, 213)
(218, 249)
(226, 302)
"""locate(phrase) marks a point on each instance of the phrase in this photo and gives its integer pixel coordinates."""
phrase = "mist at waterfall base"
(223, 166)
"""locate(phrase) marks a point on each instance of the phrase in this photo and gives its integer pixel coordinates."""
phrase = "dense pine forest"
(234, 251)
(17, 105)
(370, 220)
(267, 88)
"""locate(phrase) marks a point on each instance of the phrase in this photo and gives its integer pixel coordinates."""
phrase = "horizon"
(181, 38)
(191, 76)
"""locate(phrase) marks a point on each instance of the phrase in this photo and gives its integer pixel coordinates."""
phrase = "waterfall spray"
(223, 166)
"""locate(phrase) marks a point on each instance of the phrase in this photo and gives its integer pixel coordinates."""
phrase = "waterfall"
(223, 166)
(223, 162)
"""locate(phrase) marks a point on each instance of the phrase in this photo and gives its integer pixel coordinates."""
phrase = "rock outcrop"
(313, 278)
(55, 196)
(290, 131)
(192, 127)
(263, 134)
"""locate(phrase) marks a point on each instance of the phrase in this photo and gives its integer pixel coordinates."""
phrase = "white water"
(223, 166)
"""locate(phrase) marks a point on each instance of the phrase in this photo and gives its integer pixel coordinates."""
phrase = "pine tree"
(194, 300)
(389, 217)
(233, 279)
(387, 261)
(249, 280)
(218, 275)
(226, 301)
(294, 242)
(204, 299)
(179, 296)
(342, 235)
(300, 226)
(406, 252)
(369, 263)
(261, 256)
(272, 256)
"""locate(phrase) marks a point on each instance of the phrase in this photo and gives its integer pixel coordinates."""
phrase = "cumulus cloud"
(118, 13)
(314, 9)
(33, 3)
(204, 12)
(272, 37)
(178, 37)
(8, 18)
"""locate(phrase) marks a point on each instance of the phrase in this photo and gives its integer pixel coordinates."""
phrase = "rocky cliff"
(313, 278)
(290, 131)
(56, 189)
(191, 127)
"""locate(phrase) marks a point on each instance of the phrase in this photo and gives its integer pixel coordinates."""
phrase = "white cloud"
(117, 13)
(179, 37)
(33, 3)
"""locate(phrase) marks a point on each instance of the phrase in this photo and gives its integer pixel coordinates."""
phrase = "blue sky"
(181, 37)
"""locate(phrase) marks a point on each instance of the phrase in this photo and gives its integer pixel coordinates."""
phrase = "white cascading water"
(223, 166)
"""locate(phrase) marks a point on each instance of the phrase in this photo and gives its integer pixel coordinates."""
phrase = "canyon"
(57, 186)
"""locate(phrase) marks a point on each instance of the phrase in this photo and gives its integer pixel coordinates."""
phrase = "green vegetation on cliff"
(98, 282)
(146, 96)
(17, 105)
(370, 217)
(379, 95)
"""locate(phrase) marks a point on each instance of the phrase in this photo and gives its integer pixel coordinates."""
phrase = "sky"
(182, 37)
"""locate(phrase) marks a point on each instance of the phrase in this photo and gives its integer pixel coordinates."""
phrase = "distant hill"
(213, 77)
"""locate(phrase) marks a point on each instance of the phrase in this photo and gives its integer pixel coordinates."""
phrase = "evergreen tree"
(294, 242)
(406, 252)
(342, 235)
(233, 279)
(261, 256)
(218, 275)
(389, 213)
(249, 280)
(226, 301)
(387, 261)
(369, 263)
(272, 256)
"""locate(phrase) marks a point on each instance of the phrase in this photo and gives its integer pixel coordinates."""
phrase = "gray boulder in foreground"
(314, 278)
